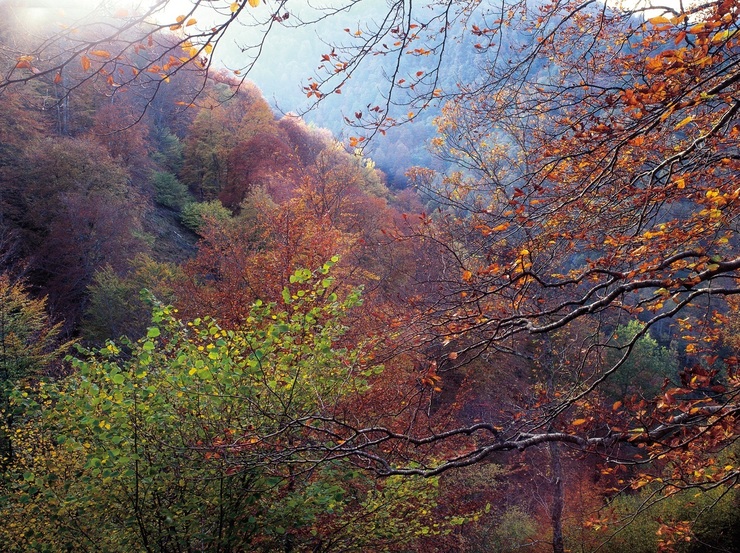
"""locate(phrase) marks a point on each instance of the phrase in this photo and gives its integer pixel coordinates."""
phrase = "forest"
(475, 287)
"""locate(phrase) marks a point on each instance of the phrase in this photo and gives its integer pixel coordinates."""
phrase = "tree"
(600, 185)
(646, 369)
(201, 437)
(29, 342)
(30, 348)
(124, 49)
(120, 305)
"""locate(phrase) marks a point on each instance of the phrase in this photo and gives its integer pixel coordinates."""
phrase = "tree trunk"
(556, 512)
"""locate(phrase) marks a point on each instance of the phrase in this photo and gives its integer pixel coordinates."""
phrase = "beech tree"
(599, 185)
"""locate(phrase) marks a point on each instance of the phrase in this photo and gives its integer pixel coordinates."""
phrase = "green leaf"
(153, 332)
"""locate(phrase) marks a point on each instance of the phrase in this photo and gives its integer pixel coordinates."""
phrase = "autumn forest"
(467, 280)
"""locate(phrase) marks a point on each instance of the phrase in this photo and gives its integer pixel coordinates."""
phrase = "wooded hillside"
(222, 329)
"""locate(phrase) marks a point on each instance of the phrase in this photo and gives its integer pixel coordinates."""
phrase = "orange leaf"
(191, 21)
(85, 62)
(100, 53)
(660, 20)
(467, 275)
(617, 405)
(578, 422)
(58, 78)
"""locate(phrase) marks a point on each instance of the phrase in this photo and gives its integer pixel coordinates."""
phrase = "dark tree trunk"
(556, 512)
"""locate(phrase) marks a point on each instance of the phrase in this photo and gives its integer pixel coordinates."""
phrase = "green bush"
(196, 214)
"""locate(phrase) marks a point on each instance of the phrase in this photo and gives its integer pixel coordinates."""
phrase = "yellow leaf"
(660, 20)
(578, 422)
(234, 7)
(191, 21)
(254, 3)
(208, 48)
(684, 122)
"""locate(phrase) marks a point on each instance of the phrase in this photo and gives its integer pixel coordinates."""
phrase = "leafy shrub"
(195, 215)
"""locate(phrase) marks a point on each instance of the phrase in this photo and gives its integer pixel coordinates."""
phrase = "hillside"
(226, 328)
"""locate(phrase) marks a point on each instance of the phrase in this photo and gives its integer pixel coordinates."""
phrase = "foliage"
(205, 438)
(169, 151)
(512, 530)
(197, 214)
(647, 366)
(712, 514)
(29, 342)
(169, 191)
(121, 305)
(597, 182)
